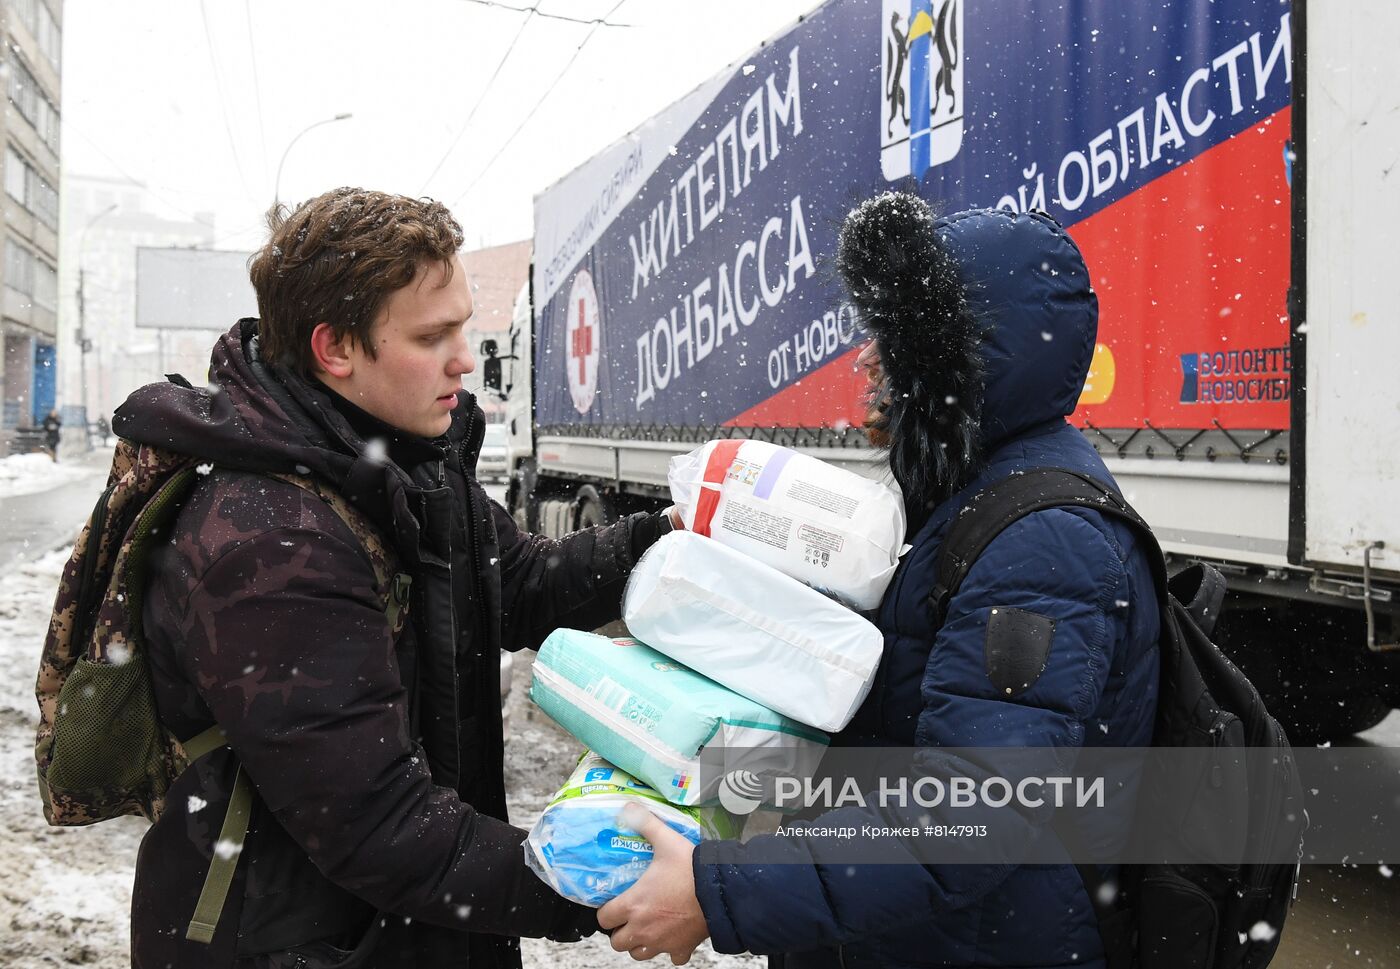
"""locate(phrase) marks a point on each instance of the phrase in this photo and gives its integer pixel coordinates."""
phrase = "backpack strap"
(979, 522)
(993, 509)
(229, 847)
(204, 742)
(1200, 589)
(133, 561)
(222, 864)
(388, 573)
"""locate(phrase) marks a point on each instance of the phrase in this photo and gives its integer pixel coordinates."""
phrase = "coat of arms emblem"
(921, 69)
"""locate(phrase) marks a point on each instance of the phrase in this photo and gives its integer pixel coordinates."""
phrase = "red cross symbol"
(583, 343)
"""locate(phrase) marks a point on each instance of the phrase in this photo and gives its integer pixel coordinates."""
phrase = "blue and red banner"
(698, 288)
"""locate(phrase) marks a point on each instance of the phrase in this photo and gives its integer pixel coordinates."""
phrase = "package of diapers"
(666, 724)
(833, 529)
(760, 633)
(582, 850)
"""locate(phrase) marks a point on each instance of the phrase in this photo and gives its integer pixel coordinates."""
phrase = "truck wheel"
(593, 508)
(1307, 664)
(520, 510)
(525, 510)
(556, 515)
(1316, 720)
(520, 498)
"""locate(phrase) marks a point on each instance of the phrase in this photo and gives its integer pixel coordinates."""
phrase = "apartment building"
(30, 64)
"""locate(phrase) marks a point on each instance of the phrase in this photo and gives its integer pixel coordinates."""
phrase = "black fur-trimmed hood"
(985, 321)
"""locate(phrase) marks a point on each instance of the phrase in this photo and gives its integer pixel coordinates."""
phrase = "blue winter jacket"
(932, 691)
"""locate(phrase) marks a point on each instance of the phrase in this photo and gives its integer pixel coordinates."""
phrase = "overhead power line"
(542, 99)
(223, 102)
(176, 206)
(221, 236)
(257, 83)
(480, 98)
(596, 21)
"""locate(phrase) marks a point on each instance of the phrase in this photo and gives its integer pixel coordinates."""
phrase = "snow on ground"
(23, 474)
(66, 892)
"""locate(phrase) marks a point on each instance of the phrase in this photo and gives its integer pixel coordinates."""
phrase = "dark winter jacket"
(1029, 291)
(379, 818)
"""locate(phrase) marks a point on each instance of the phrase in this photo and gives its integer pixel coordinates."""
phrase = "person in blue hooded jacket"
(984, 325)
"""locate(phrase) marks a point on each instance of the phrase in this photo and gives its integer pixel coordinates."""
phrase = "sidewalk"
(24, 474)
(67, 891)
(42, 504)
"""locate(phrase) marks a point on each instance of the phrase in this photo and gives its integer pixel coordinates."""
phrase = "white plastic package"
(835, 530)
(666, 724)
(582, 850)
(760, 633)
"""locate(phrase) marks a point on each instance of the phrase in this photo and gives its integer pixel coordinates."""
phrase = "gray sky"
(198, 99)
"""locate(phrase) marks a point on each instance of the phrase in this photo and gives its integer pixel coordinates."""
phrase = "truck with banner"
(1222, 164)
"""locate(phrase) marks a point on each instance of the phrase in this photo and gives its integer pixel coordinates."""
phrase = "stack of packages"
(748, 649)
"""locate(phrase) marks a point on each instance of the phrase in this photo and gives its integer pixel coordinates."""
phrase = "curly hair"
(335, 259)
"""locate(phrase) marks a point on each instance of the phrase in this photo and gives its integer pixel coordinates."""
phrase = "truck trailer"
(1227, 167)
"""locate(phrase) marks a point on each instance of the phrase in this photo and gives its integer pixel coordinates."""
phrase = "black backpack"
(1173, 915)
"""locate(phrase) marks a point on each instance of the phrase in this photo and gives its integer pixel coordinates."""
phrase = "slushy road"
(38, 522)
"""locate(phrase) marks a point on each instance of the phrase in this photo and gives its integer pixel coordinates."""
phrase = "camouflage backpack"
(101, 749)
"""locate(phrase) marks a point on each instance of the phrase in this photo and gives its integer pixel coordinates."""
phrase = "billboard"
(192, 289)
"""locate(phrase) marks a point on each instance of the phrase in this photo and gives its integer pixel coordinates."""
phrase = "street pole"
(82, 339)
(84, 344)
(277, 185)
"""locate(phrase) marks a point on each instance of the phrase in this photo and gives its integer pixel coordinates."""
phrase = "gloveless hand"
(660, 913)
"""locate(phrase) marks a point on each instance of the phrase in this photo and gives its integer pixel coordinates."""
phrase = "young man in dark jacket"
(378, 835)
(984, 324)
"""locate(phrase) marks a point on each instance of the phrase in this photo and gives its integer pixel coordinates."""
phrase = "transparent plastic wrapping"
(834, 530)
(580, 847)
(762, 634)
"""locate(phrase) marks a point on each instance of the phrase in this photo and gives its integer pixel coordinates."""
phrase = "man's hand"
(660, 913)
